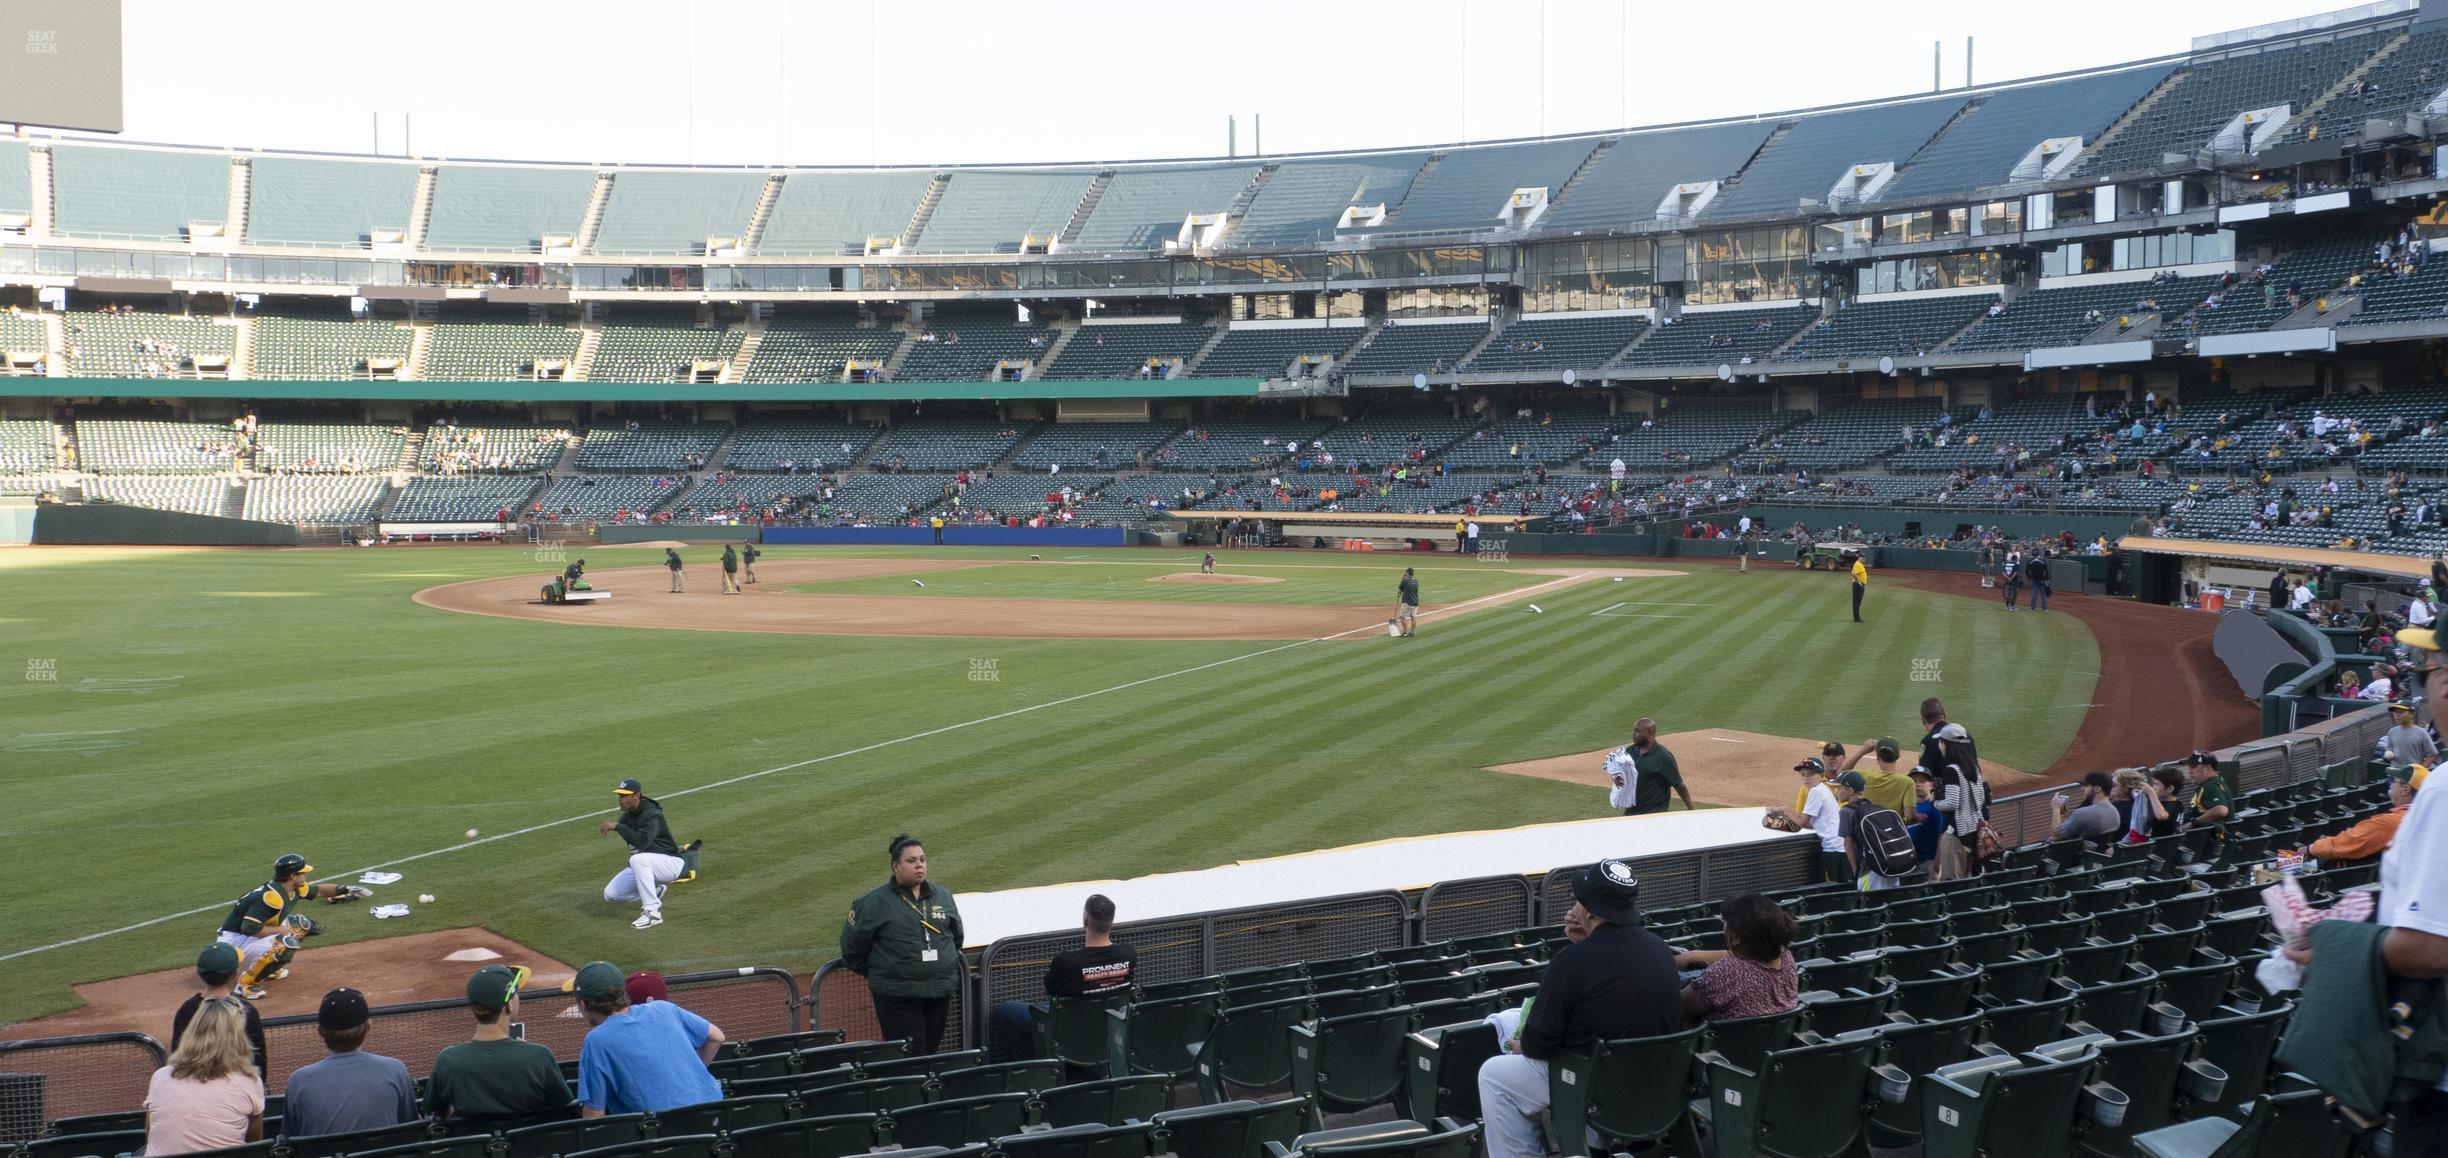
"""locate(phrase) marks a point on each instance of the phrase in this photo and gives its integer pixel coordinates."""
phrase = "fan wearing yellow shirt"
(1861, 582)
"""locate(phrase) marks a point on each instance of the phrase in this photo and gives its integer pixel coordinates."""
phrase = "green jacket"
(887, 935)
(2344, 1033)
(645, 830)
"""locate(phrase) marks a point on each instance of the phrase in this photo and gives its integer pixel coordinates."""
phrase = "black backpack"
(1886, 848)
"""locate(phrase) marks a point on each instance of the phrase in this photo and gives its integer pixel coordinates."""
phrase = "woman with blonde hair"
(209, 1097)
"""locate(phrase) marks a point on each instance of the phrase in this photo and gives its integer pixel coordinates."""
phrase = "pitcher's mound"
(1725, 766)
(1219, 577)
(388, 970)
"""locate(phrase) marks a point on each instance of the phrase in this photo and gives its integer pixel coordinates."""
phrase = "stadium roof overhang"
(661, 392)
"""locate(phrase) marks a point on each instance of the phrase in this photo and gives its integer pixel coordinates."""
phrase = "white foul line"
(1609, 607)
(858, 751)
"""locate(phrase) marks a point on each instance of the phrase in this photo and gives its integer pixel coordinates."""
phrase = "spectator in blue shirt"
(1926, 822)
(641, 1058)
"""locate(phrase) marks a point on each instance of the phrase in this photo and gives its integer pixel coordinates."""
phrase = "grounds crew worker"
(730, 569)
(748, 558)
(905, 938)
(656, 862)
(671, 559)
(1861, 582)
(265, 926)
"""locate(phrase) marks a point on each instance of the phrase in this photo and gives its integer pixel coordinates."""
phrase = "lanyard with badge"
(929, 953)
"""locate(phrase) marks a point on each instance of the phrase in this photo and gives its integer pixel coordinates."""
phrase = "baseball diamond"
(1914, 615)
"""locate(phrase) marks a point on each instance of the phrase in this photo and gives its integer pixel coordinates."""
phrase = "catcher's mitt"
(305, 925)
(351, 893)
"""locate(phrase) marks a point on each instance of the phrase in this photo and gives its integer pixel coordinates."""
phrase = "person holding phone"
(497, 1074)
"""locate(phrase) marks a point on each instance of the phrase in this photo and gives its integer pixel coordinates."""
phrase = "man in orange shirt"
(2371, 837)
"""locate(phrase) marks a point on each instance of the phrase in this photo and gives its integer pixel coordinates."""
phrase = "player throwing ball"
(656, 862)
(266, 928)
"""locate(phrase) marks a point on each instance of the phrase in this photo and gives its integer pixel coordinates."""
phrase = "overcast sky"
(969, 81)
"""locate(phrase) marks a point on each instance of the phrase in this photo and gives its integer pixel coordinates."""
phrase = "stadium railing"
(46, 1078)
(746, 1003)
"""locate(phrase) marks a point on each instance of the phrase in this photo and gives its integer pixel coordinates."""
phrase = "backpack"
(1886, 848)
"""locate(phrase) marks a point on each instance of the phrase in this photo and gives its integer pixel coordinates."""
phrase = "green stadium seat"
(462, 1146)
(724, 1116)
(573, 1135)
(1446, 1139)
(2004, 1104)
(2244, 1045)
(1072, 1030)
(956, 1122)
(1132, 1140)
(1743, 1041)
(678, 1146)
(1248, 1046)
(106, 1144)
(2154, 1073)
(1160, 1036)
(1916, 1048)
(1234, 1129)
(2026, 1025)
(1105, 1102)
(1353, 1062)
(1002, 1078)
(2207, 1137)
(1631, 1091)
(355, 1141)
(1805, 1101)
(839, 1136)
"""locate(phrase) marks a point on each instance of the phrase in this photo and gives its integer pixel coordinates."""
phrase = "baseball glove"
(305, 925)
(351, 893)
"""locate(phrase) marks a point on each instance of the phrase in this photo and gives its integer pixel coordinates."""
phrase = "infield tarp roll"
(955, 536)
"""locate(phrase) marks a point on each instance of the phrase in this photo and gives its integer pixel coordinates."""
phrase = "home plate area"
(388, 970)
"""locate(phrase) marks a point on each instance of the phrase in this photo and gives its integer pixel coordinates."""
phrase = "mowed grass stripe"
(357, 724)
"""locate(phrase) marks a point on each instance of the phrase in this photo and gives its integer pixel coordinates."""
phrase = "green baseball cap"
(217, 958)
(491, 986)
(1888, 747)
(1851, 779)
(598, 981)
(629, 787)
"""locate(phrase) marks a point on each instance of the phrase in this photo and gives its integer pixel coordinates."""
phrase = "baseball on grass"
(1534, 610)
(471, 834)
(424, 898)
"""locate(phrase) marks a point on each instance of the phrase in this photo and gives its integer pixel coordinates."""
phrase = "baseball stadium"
(1899, 626)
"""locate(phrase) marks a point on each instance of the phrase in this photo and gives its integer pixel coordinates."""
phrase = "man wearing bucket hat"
(1619, 981)
(639, 1058)
(493, 1076)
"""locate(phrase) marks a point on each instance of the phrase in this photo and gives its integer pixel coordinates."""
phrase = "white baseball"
(424, 898)
(471, 834)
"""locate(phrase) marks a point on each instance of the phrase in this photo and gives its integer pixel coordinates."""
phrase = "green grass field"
(211, 709)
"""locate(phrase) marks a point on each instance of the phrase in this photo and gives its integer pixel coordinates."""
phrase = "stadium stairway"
(420, 347)
(2310, 114)
(1241, 204)
(924, 213)
(1417, 179)
(1190, 365)
(55, 337)
(721, 454)
(590, 339)
(756, 232)
(1587, 163)
(1063, 333)
(2342, 306)
(46, 200)
(420, 208)
(752, 335)
(592, 224)
(234, 225)
(412, 452)
(892, 365)
(1477, 346)
(1087, 205)
(2136, 114)
(242, 353)
(233, 501)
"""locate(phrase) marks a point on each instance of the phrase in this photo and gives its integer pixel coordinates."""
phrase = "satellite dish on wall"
(1571, 377)
(1419, 381)
(1725, 372)
(1887, 365)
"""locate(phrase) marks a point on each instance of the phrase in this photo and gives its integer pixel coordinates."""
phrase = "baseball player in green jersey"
(265, 926)
(748, 558)
(656, 861)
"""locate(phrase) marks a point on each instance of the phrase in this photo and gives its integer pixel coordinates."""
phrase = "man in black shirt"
(1619, 981)
(1097, 968)
(217, 968)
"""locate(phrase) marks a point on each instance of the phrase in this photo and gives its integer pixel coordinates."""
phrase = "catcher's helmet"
(290, 864)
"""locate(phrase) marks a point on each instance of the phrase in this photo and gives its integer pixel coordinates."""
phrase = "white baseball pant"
(644, 880)
(250, 949)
